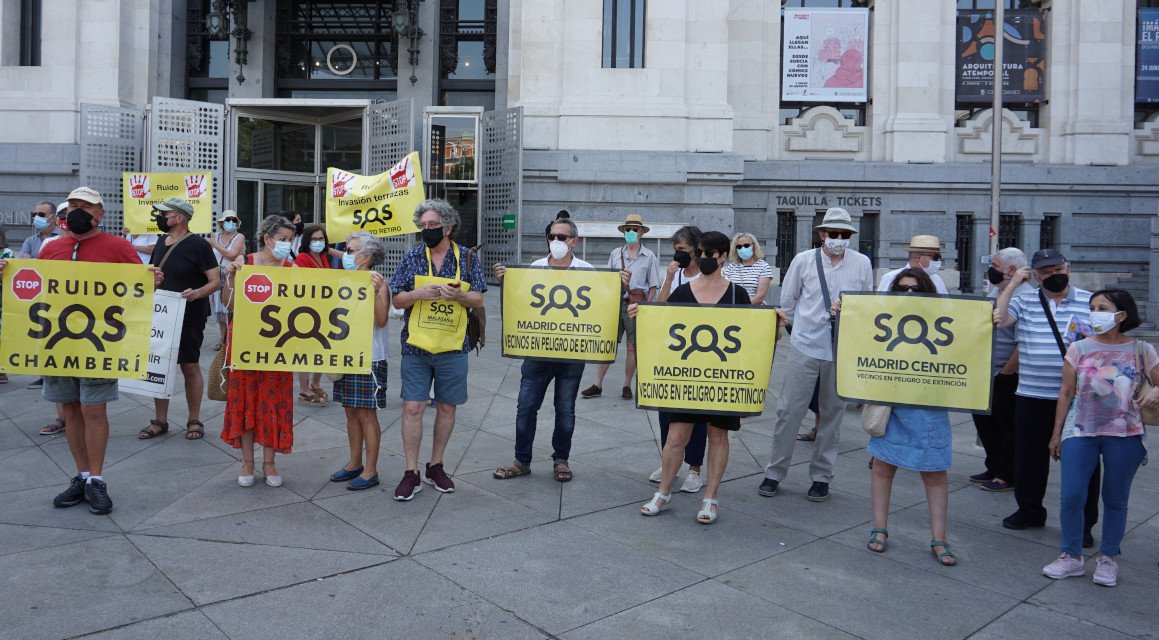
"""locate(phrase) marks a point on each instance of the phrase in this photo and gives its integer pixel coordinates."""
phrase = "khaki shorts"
(627, 325)
(83, 390)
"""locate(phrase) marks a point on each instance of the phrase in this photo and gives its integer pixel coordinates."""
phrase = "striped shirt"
(748, 276)
(1004, 338)
(802, 301)
(1039, 360)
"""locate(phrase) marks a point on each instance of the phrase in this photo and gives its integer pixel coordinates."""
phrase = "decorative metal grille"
(786, 240)
(389, 138)
(964, 246)
(490, 29)
(188, 136)
(500, 185)
(1009, 230)
(111, 139)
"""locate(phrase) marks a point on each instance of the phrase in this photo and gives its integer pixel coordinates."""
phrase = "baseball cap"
(176, 204)
(87, 195)
(62, 209)
(1047, 258)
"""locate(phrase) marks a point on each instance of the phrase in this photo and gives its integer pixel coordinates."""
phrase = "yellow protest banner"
(915, 350)
(382, 205)
(288, 319)
(704, 359)
(64, 318)
(561, 314)
(143, 190)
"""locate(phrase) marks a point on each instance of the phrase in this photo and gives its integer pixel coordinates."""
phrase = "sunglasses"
(562, 237)
(39, 214)
(235, 220)
(844, 235)
(911, 288)
(743, 246)
(705, 253)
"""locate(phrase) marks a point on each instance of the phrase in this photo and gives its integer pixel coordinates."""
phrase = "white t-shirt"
(887, 281)
(679, 278)
(143, 240)
(576, 263)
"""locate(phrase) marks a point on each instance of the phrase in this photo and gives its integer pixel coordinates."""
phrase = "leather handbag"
(1150, 415)
(874, 418)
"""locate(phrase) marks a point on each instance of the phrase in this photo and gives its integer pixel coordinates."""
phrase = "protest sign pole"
(996, 129)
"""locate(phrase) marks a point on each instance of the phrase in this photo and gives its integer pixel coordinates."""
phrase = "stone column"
(804, 229)
(1153, 279)
(427, 69)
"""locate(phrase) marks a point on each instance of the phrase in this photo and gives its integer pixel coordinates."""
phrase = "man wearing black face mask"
(996, 431)
(1041, 318)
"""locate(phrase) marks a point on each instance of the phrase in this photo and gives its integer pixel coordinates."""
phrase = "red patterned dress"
(261, 401)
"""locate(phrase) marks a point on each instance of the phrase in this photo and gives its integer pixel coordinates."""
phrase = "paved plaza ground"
(186, 553)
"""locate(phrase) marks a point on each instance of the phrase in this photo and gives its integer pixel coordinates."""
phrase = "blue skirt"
(915, 439)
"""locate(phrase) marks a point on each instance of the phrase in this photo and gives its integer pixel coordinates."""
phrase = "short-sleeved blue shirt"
(414, 263)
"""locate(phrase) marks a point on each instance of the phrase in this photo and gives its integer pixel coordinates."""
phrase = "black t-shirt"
(735, 294)
(192, 257)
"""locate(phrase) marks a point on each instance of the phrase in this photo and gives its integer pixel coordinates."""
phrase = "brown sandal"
(562, 471)
(194, 434)
(148, 433)
(513, 470)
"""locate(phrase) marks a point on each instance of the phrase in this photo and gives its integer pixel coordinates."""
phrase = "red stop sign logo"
(258, 288)
(27, 284)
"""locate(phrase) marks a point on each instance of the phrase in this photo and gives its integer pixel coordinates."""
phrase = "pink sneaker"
(1064, 567)
(1106, 571)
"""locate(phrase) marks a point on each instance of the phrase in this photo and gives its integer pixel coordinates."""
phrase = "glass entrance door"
(259, 198)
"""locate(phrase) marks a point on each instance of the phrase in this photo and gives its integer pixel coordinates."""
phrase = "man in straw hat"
(925, 253)
(814, 280)
(643, 271)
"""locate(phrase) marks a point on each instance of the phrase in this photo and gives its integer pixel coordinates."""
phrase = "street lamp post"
(996, 129)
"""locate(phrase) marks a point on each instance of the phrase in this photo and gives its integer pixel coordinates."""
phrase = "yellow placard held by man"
(86, 319)
(317, 320)
(915, 350)
(438, 326)
(704, 359)
(381, 205)
(143, 190)
(561, 314)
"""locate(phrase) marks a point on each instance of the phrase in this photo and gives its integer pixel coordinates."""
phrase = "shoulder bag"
(635, 296)
(1150, 416)
(874, 419)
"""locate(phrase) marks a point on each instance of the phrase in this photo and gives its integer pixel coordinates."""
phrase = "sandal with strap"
(653, 507)
(947, 554)
(562, 471)
(513, 470)
(875, 540)
(707, 515)
(194, 434)
(148, 433)
(52, 428)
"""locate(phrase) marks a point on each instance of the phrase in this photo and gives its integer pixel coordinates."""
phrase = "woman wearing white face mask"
(1101, 374)
(228, 244)
(361, 394)
(315, 254)
(747, 267)
(259, 405)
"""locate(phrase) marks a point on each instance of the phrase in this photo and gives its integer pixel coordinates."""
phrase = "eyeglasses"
(743, 246)
(432, 225)
(911, 288)
(844, 235)
(562, 237)
(705, 253)
(351, 250)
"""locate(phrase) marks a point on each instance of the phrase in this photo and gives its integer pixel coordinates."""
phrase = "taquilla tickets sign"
(915, 350)
(65, 318)
(289, 319)
(561, 314)
(704, 359)
(143, 190)
(382, 205)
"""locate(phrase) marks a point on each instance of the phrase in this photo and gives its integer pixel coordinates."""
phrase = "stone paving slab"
(187, 625)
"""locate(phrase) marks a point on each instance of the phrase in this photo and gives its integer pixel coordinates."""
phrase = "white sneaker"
(1064, 567)
(657, 475)
(1106, 571)
(692, 483)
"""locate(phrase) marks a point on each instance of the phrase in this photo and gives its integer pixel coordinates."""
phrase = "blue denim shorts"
(447, 370)
(83, 390)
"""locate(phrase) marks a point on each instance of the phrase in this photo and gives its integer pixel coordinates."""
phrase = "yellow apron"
(438, 326)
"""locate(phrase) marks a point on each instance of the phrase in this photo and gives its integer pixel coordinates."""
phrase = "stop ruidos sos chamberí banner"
(915, 350)
(381, 205)
(66, 318)
(704, 359)
(288, 319)
(143, 190)
(561, 314)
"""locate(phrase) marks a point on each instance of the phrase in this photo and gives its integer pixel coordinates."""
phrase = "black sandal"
(148, 433)
(194, 434)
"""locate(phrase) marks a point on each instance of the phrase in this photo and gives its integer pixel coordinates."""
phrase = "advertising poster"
(64, 318)
(382, 205)
(1147, 57)
(704, 359)
(1024, 53)
(164, 341)
(561, 314)
(823, 55)
(915, 350)
(143, 190)
(302, 320)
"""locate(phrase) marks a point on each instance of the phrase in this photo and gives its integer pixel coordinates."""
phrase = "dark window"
(786, 240)
(868, 236)
(467, 52)
(30, 27)
(623, 34)
(276, 145)
(989, 4)
(814, 237)
(1009, 230)
(964, 247)
(1048, 236)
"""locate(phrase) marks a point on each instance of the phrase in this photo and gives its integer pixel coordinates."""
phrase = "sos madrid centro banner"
(1147, 57)
(823, 55)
